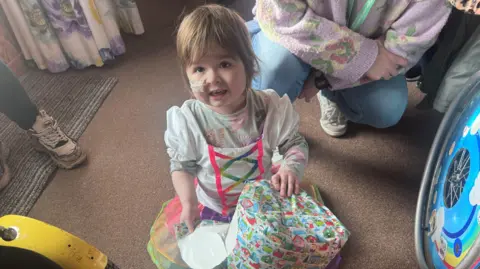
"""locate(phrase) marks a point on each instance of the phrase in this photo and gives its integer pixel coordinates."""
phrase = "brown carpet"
(370, 178)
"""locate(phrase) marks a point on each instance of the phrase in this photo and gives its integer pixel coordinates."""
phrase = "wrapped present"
(276, 232)
(266, 231)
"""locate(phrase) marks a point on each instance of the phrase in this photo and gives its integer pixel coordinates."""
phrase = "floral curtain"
(58, 34)
(9, 52)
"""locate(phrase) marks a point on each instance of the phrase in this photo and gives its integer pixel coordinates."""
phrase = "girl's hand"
(286, 182)
(184, 184)
(189, 214)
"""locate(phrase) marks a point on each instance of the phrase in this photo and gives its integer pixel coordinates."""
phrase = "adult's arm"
(342, 55)
(333, 49)
(417, 29)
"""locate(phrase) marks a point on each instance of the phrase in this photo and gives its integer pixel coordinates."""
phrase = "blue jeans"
(380, 104)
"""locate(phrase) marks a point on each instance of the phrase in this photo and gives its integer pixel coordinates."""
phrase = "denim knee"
(279, 69)
(380, 104)
(389, 108)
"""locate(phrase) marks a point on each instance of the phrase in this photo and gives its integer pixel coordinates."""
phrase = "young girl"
(226, 136)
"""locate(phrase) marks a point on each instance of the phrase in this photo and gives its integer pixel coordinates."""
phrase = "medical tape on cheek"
(196, 86)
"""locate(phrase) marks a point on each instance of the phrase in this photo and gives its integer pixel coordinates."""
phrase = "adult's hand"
(386, 65)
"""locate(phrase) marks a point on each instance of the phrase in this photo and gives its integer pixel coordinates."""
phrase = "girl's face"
(218, 80)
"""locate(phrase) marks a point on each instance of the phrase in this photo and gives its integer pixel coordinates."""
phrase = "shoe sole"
(64, 165)
(69, 166)
(333, 133)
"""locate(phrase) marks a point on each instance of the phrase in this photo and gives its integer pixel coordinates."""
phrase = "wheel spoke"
(454, 188)
(451, 195)
(448, 193)
(456, 177)
(461, 157)
(466, 162)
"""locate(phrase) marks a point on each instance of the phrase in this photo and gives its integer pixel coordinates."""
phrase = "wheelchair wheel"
(447, 222)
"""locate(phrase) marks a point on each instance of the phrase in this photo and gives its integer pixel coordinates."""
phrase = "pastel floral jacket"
(316, 31)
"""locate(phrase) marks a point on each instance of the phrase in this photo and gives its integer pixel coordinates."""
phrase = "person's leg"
(14, 101)
(279, 69)
(43, 129)
(380, 104)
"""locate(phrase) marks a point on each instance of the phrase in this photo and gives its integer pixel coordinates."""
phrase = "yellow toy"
(29, 243)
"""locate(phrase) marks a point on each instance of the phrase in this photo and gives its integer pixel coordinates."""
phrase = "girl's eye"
(225, 65)
(198, 69)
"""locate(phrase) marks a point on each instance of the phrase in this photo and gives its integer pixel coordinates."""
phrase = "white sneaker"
(333, 121)
(49, 138)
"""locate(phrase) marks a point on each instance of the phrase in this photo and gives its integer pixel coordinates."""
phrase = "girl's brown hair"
(214, 25)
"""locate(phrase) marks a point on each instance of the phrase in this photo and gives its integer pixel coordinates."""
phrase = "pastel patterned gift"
(166, 229)
(276, 232)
